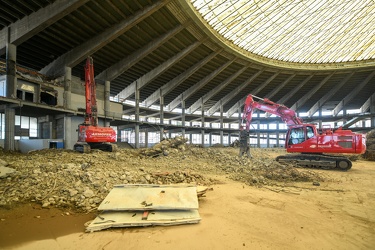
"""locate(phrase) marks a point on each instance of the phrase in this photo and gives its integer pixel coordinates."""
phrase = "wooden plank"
(151, 197)
(109, 219)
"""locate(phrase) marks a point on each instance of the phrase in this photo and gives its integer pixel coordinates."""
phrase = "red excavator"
(311, 144)
(90, 135)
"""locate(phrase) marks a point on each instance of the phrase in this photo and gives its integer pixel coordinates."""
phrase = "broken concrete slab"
(131, 205)
(151, 197)
(109, 219)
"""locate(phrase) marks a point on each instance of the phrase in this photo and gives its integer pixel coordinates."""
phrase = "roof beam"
(79, 53)
(309, 94)
(232, 94)
(328, 95)
(166, 88)
(121, 66)
(295, 90)
(352, 94)
(215, 90)
(281, 85)
(193, 89)
(27, 27)
(234, 108)
(145, 79)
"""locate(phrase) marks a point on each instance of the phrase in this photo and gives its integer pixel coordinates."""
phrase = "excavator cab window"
(297, 136)
(309, 132)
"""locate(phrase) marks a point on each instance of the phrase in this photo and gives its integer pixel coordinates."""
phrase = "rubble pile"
(65, 178)
(165, 146)
(370, 146)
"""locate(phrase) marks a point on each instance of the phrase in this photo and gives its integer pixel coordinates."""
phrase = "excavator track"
(316, 161)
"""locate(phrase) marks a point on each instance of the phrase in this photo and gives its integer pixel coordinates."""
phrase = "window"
(296, 136)
(309, 132)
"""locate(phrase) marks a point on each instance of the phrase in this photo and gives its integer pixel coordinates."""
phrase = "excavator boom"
(287, 115)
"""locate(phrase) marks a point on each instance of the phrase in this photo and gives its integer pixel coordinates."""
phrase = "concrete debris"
(370, 145)
(165, 147)
(65, 178)
(5, 172)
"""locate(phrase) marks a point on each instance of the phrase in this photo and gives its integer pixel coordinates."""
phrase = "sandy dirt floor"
(338, 214)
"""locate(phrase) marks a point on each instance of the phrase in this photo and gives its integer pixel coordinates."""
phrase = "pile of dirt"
(370, 145)
(65, 178)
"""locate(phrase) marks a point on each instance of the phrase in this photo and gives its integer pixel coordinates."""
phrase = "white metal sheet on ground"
(151, 197)
(109, 219)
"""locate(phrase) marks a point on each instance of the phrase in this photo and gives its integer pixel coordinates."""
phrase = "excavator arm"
(91, 117)
(288, 116)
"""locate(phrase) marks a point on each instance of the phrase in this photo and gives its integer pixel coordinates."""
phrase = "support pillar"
(11, 78)
(221, 123)
(146, 138)
(107, 104)
(10, 121)
(320, 118)
(258, 134)
(239, 114)
(277, 134)
(183, 118)
(202, 122)
(372, 110)
(68, 132)
(137, 94)
(268, 135)
(67, 88)
(161, 115)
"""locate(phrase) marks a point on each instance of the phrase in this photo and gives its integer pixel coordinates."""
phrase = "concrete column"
(10, 121)
(202, 121)
(258, 134)
(11, 78)
(146, 138)
(53, 133)
(68, 144)
(372, 110)
(107, 103)
(268, 135)
(161, 115)
(221, 123)
(68, 88)
(320, 118)
(183, 118)
(277, 134)
(137, 115)
(239, 114)
(344, 115)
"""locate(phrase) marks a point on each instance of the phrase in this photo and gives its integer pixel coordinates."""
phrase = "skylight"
(307, 31)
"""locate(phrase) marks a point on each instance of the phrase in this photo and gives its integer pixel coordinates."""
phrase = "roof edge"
(228, 46)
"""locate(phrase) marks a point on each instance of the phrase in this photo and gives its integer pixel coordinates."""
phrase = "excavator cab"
(299, 134)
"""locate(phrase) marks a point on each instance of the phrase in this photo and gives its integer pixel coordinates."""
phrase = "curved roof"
(164, 51)
(306, 31)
